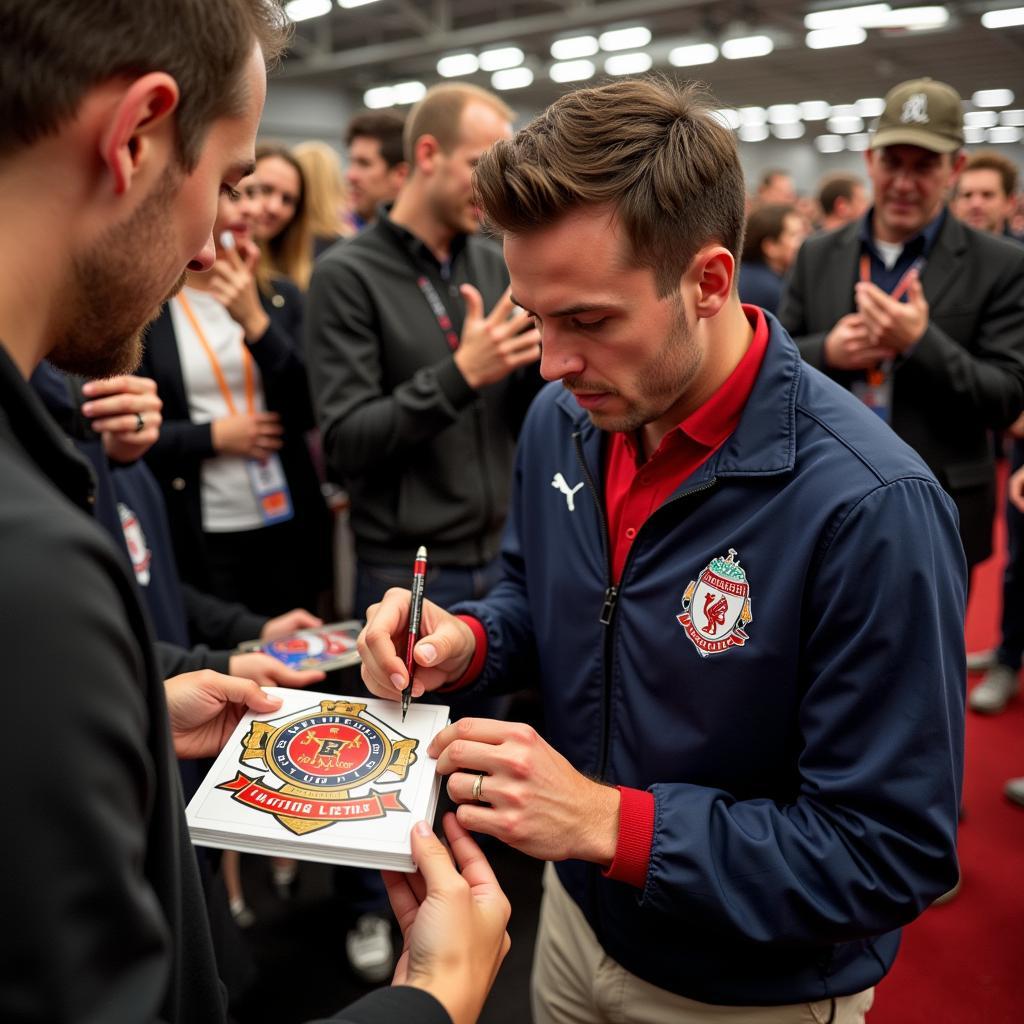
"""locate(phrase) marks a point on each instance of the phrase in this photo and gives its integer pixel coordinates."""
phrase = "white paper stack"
(327, 778)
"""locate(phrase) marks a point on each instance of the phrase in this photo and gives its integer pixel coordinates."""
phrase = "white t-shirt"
(226, 495)
(890, 252)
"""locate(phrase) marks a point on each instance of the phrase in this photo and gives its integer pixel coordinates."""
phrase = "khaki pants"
(575, 982)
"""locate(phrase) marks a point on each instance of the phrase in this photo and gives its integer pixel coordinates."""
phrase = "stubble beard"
(108, 307)
(658, 386)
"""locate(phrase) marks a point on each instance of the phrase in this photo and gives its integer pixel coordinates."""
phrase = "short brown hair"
(440, 111)
(764, 222)
(386, 126)
(53, 51)
(990, 160)
(836, 187)
(651, 149)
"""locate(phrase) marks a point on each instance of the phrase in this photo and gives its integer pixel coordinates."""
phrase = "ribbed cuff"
(636, 833)
(476, 664)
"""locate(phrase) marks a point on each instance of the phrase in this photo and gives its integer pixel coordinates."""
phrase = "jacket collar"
(34, 430)
(764, 442)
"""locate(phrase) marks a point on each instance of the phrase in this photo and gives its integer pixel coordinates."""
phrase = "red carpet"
(963, 963)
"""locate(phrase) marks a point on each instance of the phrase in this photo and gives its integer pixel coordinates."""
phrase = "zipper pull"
(608, 608)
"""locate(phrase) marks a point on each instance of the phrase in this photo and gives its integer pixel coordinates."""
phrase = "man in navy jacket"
(740, 594)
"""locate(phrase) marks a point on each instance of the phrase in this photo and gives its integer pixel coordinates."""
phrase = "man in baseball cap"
(919, 315)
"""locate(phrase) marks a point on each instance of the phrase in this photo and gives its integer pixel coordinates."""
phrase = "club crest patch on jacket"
(716, 606)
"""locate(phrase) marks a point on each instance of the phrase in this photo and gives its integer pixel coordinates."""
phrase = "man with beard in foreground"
(119, 125)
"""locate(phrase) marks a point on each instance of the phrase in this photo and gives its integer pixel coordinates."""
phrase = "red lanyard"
(901, 285)
(444, 321)
(218, 373)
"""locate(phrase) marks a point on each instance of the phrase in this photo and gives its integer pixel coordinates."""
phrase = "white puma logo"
(560, 484)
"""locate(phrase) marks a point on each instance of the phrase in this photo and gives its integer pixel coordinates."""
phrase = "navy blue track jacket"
(801, 729)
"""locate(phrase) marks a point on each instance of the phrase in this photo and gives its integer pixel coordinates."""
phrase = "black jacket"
(963, 378)
(178, 455)
(99, 886)
(425, 458)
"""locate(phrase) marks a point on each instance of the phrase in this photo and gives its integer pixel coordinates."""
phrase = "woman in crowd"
(281, 216)
(248, 518)
(326, 194)
(774, 235)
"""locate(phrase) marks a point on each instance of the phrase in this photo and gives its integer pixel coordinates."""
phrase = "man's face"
(629, 357)
(910, 185)
(370, 180)
(779, 189)
(450, 191)
(780, 252)
(981, 201)
(277, 189)
(120, 280)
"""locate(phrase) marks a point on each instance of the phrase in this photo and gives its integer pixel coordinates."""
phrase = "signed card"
(338, 779)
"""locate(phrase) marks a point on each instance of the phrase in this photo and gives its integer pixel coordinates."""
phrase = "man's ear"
(143, 109)
(425, 154)
(713, 270)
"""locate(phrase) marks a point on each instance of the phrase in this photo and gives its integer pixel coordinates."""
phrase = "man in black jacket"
(920, 316)
(420, 397)
(119, 123)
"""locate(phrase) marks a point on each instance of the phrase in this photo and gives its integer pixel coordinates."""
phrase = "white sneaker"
(981, 661)
(370, 952)
(1014, 790)
(995, 691)
(243, 916)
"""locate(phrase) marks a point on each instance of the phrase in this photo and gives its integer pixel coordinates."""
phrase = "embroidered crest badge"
(716, 606)
(318, 760)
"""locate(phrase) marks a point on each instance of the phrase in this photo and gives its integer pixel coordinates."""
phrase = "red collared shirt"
(633, 490)
(631, 493)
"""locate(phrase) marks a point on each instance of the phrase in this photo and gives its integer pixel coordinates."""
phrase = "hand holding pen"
(419, 579)
(441, 655)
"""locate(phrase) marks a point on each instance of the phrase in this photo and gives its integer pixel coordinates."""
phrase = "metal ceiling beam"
(479, 35)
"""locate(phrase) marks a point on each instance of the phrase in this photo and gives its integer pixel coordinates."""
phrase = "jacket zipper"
(611, 594)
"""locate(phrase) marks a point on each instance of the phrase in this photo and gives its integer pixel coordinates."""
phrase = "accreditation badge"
(270, 487)
(318, 767)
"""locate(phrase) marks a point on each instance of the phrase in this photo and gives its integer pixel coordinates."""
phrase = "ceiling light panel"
(691, 56)
(992, 98)
(512, 78)
(1006, 17)
(572, 71)
(501, 58)
(628, 64)
(625, 38)
(574, 47)
(303, 10)
(458, 64)
(830, 38)
(744, 47)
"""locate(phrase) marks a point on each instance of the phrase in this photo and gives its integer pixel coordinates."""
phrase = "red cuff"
(476, 664)
(636, 833)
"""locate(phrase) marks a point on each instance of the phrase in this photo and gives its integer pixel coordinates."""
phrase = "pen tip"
(421, 552)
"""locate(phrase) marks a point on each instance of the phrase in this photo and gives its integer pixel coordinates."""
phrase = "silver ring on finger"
(478, 789)
(140, 423)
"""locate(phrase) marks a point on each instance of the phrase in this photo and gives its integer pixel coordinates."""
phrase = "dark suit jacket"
(966, 374)
(177, 457)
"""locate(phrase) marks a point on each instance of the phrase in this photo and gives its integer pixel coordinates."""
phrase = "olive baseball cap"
(924, 113)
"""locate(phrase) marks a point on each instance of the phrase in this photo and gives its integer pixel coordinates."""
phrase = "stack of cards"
(327, 778)
(326, 648)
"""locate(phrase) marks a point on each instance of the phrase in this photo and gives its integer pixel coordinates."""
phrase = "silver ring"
(478, 788)
(140, 423)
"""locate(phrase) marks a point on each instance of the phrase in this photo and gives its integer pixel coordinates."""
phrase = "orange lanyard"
(901, 285)
(218, 373)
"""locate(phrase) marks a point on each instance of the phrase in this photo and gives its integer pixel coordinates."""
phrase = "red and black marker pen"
(419, 579)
